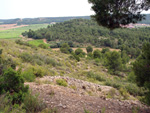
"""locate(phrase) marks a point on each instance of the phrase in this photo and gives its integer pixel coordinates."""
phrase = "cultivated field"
(10, 26)
(13, 31)
(38, 42)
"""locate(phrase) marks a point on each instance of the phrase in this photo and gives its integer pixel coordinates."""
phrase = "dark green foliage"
(89, 55)
(79, 52)
(97, 54)
(114, 13)
(74, 56)
(141, 68)
(31, 33)
(65, 48)
(104, 50)
(13, 83)
(89, 49)
(87, 31)
(125, 57)
(43, 46)
(113, 61)
(28, 75)
(131, 77)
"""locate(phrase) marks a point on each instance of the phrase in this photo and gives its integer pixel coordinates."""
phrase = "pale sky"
(43, 8)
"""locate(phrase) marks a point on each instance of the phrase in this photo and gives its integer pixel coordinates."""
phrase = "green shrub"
(79, 52)
(124, 93)
(13, 83)
(26, 57)
(38, 71)
(43, 46)
(89, 49)
(65, 48)
(33, 104)
(104, 50)
(62, 82)
(97, 54)
(90, 74)
(28, 75)
(131, 77)
(111, 93)
(7, 107)
(74, 56)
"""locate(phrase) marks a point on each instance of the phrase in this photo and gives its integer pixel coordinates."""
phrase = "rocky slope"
(81, 95)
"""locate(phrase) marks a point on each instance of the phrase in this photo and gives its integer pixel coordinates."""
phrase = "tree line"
(81, 31)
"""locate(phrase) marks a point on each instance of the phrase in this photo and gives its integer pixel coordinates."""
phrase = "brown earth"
(10, 26)
(45, 41)
(84, 49)
(75, 100)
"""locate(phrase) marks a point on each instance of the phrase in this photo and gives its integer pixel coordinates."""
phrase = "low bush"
(28, 75)
(33, 104)
(13, 83)
(62, 82)
(90, 74)
(38, 71)
(43, 46)
(26, 57)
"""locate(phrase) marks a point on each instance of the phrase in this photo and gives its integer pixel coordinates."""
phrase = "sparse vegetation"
(62, 82)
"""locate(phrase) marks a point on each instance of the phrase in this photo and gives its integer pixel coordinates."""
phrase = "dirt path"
(84, 49)
(45, 41)
(68, 100)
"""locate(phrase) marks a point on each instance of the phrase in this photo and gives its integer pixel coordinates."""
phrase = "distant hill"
(42, 20)
(48, 20)
(147, 20)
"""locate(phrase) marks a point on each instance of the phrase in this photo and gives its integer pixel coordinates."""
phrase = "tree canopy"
(114, 13)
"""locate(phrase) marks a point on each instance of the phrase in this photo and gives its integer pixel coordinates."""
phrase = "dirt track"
(84, 49)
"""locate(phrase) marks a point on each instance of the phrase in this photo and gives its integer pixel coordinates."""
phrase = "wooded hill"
(42, 20)
(47, 20)
(82, 31)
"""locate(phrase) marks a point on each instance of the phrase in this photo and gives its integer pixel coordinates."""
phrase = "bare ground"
(68, 100)
(10, 26)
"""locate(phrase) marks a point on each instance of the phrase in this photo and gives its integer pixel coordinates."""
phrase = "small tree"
(113, 13)
(141, 68)
(13, 83)
(89, 49)
(79, 52)
(65, 48)
(113, 61)
(97, 54)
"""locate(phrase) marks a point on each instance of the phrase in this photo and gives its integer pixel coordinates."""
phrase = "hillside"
(42, 20)
(67, 84)
(81, 32)
(48, 20)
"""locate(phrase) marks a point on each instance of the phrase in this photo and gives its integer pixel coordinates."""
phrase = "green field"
(16, 32)
(38, 42)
